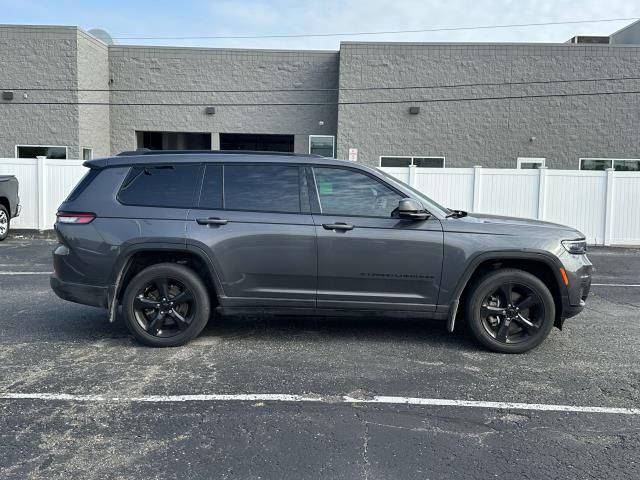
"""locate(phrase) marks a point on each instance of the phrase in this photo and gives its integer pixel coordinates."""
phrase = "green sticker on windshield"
(325, 187)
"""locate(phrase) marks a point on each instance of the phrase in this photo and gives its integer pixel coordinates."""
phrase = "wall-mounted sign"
(353, 154)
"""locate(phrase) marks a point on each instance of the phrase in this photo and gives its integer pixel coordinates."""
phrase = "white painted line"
(328, 399)
(26, 273)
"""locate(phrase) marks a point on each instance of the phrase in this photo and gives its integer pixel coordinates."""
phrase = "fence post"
(412, 175)
(477, 182)
(42, 193)
(542, 192)
(608, 207)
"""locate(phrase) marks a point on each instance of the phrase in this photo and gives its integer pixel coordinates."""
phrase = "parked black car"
(9, 203)
(171, 236)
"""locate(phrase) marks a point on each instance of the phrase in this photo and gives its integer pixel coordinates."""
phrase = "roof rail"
(146, 151)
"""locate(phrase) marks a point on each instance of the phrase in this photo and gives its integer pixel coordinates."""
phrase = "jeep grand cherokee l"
(171, 237)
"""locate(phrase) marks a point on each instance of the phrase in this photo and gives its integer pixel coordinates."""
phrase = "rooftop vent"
(102, 35)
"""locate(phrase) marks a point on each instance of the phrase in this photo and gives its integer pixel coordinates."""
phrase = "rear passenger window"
(269, 188)
(160, 186)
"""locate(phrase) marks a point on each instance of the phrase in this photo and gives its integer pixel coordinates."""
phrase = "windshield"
(417, 194)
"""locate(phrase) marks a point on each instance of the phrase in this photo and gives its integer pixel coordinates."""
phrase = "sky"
(158, 18)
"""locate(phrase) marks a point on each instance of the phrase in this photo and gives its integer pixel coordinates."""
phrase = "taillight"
(75, 217)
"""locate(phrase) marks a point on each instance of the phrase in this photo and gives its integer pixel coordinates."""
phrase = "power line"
(301, 90)
(388, 32)
(299, 104)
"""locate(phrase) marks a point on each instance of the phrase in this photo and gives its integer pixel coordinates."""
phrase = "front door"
(254, 222)
(367, 259)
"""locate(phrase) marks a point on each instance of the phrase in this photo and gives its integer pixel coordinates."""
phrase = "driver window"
(351, 193)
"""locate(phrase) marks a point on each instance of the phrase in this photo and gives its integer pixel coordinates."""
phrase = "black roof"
(146, 151)
(150, 157)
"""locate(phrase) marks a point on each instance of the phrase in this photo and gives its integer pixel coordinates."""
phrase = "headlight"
(575, 247)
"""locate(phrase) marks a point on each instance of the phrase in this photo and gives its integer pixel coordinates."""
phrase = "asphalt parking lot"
(122, 417)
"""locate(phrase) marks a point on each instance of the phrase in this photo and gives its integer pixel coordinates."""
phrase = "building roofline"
(483, 44)
(220, 49)
(624, 28)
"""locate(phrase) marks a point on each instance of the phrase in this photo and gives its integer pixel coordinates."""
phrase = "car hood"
(509, 225)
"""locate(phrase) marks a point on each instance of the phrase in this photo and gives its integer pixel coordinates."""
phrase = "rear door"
(367, 259)
(255, 224)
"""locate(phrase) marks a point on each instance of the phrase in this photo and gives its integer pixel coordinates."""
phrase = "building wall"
(43, 58)
(167, 77)
(629, 35)
(459, 124)
(93, 88)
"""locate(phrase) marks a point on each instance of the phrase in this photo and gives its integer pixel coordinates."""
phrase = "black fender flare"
(126, 257)
(534, 255)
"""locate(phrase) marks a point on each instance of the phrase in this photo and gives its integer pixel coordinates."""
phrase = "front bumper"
(92, 295)
(579, 270)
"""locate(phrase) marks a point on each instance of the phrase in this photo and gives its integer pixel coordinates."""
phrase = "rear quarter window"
(171, 186)
(82, 185)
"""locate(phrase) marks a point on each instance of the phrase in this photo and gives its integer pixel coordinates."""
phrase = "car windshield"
(417, 194)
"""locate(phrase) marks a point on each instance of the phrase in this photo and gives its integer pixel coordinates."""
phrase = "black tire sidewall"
(484, 286)
(6, 234)
(186, 276)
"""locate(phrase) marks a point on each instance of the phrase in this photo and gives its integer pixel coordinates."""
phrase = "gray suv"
(169, 238)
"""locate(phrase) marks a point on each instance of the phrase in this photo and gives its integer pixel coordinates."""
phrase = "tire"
(514, 326)
(169, 322)
(5, 222)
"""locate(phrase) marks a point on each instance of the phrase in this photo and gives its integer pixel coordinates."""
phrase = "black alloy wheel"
(166, 305)
(510, 311)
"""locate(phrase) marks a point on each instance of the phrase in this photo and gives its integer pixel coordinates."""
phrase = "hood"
(483, 223)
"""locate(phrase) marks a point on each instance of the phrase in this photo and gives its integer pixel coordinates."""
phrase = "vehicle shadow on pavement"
(89, 324)
(274, 328)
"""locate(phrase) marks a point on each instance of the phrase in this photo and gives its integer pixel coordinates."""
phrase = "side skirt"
(330, 312)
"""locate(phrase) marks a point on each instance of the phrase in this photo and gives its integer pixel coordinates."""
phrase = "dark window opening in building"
(257, 142)
(174, 140)
(35, 151)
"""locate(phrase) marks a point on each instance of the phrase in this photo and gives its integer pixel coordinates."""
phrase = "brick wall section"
(144, 68)
(93, 85)
(40, 57)
(489, 132)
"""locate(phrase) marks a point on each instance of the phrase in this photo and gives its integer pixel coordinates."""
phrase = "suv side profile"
(172, 237)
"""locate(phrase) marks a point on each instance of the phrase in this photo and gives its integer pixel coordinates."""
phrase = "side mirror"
(411, 209)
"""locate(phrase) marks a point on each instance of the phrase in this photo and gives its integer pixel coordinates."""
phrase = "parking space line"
(324, 399)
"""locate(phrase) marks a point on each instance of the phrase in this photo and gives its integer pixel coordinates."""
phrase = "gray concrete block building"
(66, 94)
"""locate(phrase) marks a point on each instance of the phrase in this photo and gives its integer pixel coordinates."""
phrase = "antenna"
(102, 35)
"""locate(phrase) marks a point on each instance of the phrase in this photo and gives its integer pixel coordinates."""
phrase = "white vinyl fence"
(605, 205)
(44, 184)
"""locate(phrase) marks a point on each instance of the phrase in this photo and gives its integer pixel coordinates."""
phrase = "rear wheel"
(166, 305)
(510, 311)
(5, 222)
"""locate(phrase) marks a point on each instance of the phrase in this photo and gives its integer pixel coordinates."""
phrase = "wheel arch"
(542, 265)
(139, 257)
(4, 201)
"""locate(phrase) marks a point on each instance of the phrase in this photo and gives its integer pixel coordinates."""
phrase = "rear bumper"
(79, 293)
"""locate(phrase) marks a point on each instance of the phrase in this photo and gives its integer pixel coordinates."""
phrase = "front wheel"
(166, 305)
(5, 221)
(510, 311)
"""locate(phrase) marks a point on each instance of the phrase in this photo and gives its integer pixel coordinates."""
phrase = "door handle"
(337, 226)
(212, 221)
